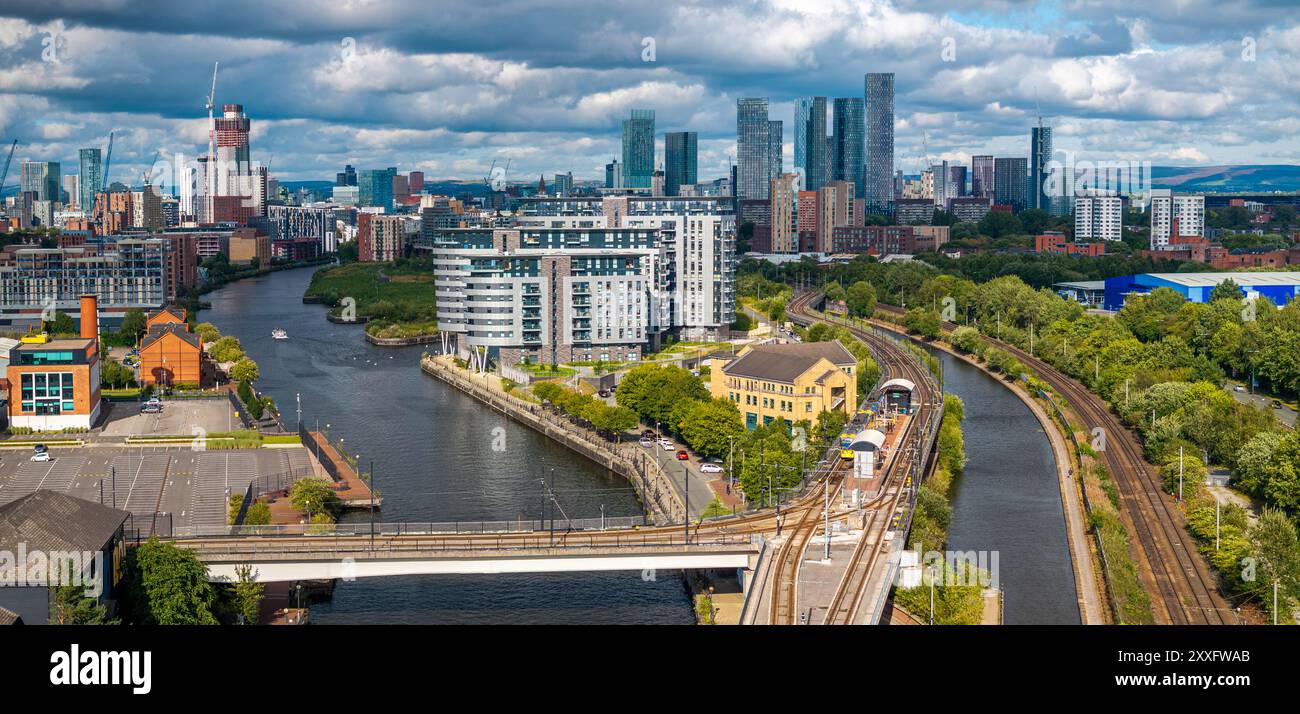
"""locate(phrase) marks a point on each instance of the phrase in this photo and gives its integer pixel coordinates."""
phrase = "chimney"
(89, 317)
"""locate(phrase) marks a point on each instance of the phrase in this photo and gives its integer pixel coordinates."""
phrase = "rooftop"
(53, 521)
(68, 343)
(1212, 279)
(785, 363)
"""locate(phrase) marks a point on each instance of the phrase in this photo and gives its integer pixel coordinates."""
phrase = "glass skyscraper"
(1040, 153)
(91, 178)
(818, 165)
(375, 188)
(639, 148)
(775, 156)
(879, 173)
(753, 150)
(680, 156)
(848, 143)
(802, 109)
(1010, 181)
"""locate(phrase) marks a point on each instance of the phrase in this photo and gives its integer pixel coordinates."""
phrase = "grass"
(407, 297)
(546, 370)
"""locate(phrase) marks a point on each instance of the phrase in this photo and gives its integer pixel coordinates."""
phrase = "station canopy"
(895, 385)
(868, 440)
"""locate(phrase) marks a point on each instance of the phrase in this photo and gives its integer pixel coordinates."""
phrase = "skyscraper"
(802, 110)
(1040, 153)
(776, 151)
(679, 161)
(957, 179)
(639, 148)
(42, 178)
(818, 165)
(375, 188)
(848, 143)
(982, 182)
(879, 178)
(753, 150)
(92, 176)
(1009, 182)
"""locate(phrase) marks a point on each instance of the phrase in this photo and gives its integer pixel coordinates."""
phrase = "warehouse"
(1278, 287)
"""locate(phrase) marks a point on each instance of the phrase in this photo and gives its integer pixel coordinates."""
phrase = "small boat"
(279, 334)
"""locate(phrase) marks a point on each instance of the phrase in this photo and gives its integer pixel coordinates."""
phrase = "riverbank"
(1085, 559)
(396, 300)
(655, 489)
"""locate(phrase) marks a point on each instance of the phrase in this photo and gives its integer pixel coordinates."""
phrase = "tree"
(967, 339)
(70, 606)
(226, 349)
(208, 332)
(923, 321)
(134, 323)
(245, 370)
(861, 299)
(170, 586)
(248, 594)
(62, 324)
(997, 224)
(1226, 290)
(1277, 554)
(315, 496)
(710, 426)
(245, 393)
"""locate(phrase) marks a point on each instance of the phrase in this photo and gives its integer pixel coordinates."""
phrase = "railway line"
(865, 558)
(1183, 588)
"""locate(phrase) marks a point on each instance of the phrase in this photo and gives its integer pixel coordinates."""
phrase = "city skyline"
(327, 87)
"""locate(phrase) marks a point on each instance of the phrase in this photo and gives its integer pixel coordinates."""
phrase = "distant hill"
(1228, 179)
(449, 188)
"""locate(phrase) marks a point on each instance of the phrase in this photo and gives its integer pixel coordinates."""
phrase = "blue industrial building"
(1278, 287)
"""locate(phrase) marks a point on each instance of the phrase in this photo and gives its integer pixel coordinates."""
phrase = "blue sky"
(448, 86)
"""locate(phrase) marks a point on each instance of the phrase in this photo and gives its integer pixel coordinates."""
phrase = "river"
(433, 458)
(1007, 499)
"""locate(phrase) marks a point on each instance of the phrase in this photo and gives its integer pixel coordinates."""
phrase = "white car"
(41, 456)
(710, 469)
(667, 446)
(647, 443)
(1239, 388)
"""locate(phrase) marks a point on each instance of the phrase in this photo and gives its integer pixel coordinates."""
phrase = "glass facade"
(1040, 154)
(1010, 181)
(680, 156)
(879, 173)
(47, 393)
(639, 148)
(91, 178)
(815, 153)
(375, 188)
(848, 143)
(753, 149)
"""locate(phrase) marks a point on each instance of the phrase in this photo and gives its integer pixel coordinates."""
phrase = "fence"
(557, 525)
(314, 442)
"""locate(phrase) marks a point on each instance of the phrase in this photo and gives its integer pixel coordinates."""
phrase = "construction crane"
(148, 170)
(108, 161)
(4, 175)
(210, 174)
(102, 205)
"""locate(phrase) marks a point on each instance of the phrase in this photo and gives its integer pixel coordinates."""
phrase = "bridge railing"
(559, 525)
(328, 547)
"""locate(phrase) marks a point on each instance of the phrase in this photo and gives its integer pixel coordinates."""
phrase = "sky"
(448, 86)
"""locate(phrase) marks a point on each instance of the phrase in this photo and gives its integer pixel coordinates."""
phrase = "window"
(47, 392)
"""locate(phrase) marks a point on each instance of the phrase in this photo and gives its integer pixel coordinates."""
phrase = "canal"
(1007, 499)
(433, 456)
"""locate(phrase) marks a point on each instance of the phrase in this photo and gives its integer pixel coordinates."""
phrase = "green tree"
(1226, 290)
(1277, 554)
(248, 594)
(710, 426)
(62, 324)
(967, 339)
(226, 349)
(923, 321)
(208, 332)
(70, 606)
(170, 586)
(861, 299)
(245, 370)
(997, 224)
(315, 496)
(134, 323)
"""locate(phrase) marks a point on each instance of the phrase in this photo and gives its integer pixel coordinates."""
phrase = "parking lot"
(179, 417)
(167, 489)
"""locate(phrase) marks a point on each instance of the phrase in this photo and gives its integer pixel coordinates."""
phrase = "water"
(431, 448)
(1007, 499)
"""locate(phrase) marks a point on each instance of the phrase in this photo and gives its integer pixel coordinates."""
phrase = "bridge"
(861, 523)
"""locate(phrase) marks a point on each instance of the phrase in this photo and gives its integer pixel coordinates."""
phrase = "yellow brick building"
(793, 381)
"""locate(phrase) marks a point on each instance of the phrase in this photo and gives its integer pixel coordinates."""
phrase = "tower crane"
(209, 188)
(4, 175)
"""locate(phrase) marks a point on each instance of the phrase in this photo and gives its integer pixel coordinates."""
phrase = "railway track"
(1183, 588)
(863, 561)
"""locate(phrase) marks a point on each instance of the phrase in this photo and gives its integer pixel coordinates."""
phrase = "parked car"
(649, 434)
(1277, 404)
(604, 393)
(151, 407)
(682, 455)
(711, 469)
(41, 456)
(647, 443)
(1238, 388)
(667, 445)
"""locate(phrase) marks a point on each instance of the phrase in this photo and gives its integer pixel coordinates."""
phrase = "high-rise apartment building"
(1174, 217)
(879, 173)
(983, 170)
(784, 237)
(91, 178)
(43, 179)
(680, 156)
(1098, 218)
(776, 149)
(753, 150)
(818, 163)
(802, 110)
(1040, 153)
(1010, 183)
(375, 188)
(848, 136)
(639, 148)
